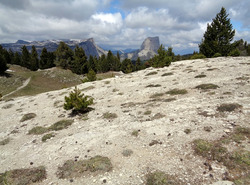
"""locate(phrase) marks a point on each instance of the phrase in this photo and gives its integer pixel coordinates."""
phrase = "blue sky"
(119, 24)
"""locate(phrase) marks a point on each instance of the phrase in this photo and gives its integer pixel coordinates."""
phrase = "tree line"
(77, 61)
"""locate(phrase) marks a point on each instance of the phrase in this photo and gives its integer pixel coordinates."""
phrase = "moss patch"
(23, 176)
(71, 168)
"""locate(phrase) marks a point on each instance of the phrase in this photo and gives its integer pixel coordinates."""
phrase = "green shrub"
(151, 73)
(77, 101)
(200, 76)
(217, 55)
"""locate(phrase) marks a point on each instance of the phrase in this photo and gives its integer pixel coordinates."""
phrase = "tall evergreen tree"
(46, 59)
(79, 63)
(127, 66)
(218, 36)
(3, 63)
(11, 54)
(138, 64)
(25, 58)
(17, 58)
(34, 61)
(64, 55)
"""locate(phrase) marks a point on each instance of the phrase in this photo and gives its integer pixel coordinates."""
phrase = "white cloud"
(178, 23)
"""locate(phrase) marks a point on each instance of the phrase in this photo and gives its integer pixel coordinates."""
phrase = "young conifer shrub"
(77, 101)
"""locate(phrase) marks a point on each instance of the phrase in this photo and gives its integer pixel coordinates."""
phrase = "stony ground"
(162, 122)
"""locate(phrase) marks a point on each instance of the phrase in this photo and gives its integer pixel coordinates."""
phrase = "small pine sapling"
(77, 101)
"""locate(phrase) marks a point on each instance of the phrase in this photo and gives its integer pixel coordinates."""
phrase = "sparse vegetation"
(5, 141)
(236, 161)
(228, 107)
(61, 125)
(151, 73)
(135, 133)
(207, 86)
(108, 115)
(78, 102)
(71, 168)
(38, 130)
(153, 85)
(169, 99)
(160, 178)
(23, 176)
(177, 91)
(200, 76)
(28, 117)
(167, 74)
(8, 106)
(187, 131)
(147, 112)
(156, 95)
(47, 136)
(127, 152)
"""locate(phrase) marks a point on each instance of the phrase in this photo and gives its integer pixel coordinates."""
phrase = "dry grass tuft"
(161, 178)
(207, 86)
(177, 91)
(228, 107)
(108, 115)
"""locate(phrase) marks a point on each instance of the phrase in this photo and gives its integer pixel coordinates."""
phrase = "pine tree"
(34, 61)
(25, 58)
(3, 63)
(64, 55)
(77, 101)
(17, 58)
(79, 63)
(138, 65)
(218, 36)
(127, 66)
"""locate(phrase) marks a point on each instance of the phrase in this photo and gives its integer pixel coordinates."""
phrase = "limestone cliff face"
(148, 50)
(151, 43)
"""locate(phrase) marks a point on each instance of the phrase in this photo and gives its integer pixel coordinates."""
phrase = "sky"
(119, 24)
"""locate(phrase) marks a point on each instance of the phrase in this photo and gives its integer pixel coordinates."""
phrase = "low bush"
(207, 86)
(61, 125)
(217, 55)
(47, 136)
(228, 107)
(151, 73)
(161, 178)
(108, 115)
(197, 56)
(38, 130)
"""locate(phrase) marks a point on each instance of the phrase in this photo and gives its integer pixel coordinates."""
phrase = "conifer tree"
(64, 55)
(138, 65)
(79, 63)
(3, 63)
(17, 58)
(25, 58)
(34, 61)
(218, 36)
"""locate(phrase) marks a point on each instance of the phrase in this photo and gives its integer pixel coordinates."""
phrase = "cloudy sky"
(119, 24)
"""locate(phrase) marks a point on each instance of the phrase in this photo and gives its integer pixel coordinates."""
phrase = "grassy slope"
(41, 81)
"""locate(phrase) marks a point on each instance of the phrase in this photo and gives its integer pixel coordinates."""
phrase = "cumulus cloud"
(118, 24)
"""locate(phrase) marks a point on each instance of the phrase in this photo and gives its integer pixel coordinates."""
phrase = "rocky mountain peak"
(151, 43)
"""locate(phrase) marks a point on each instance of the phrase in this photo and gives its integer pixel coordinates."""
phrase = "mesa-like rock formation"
(148, 50)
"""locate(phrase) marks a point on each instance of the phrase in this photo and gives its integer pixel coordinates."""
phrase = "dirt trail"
(24, 85)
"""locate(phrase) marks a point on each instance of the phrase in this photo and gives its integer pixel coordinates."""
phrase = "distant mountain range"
(148, 48)
(88, 45)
